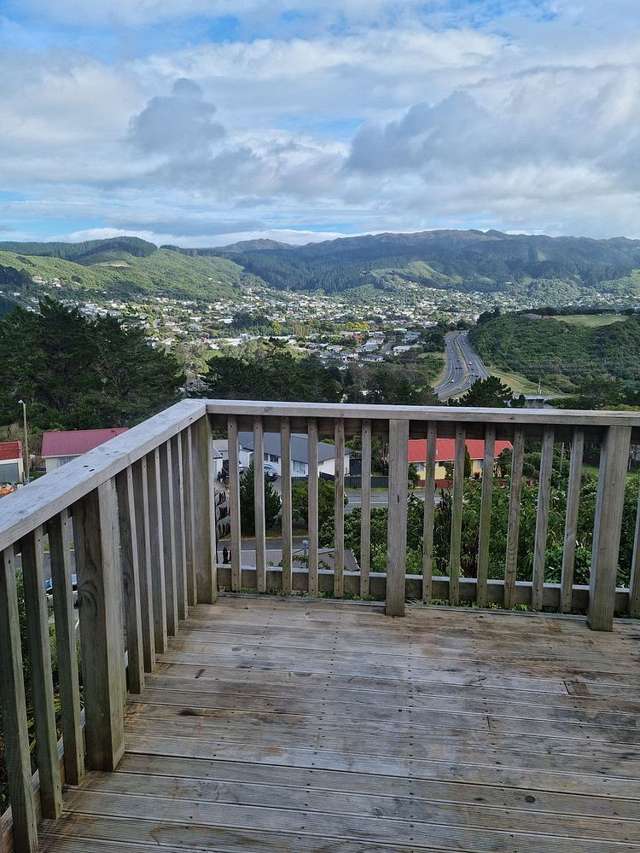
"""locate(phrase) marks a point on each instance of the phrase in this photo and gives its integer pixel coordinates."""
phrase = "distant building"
(273, 454)
(445, 454)
(11, 463)
(61, 446)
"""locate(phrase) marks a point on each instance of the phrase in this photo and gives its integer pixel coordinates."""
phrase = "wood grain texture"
(429, 512)
(60, 542)
(634, 583)
(614, 459)
(455, 545)
(338, 572)
(234, 501)
(145, 575)
(189, 515)
(23, 511)
(167, 504)
(130, 567)
(285, 483)
(397, 520)
(258, 500)
(101, 631)
(513, 528)
(204, 513)
(37, 618)
(177, 466)
(571, 520)
(156, 542)
(542, 519)
(365, 509)
(484, 533)
(313, 520)
(17, 756)
(272, 751)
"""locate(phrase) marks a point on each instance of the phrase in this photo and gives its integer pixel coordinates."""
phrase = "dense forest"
(562, 354)
(526, 266)
(77, 373)
(466, 260)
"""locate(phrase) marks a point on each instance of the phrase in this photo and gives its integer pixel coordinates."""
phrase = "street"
(464, 366)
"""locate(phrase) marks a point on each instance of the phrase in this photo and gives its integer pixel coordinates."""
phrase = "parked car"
(270, 472)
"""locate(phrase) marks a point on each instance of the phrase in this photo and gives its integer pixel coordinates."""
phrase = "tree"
(270, 371)
(272, 503)
(489, 393)
(79, 373)
(300, 502)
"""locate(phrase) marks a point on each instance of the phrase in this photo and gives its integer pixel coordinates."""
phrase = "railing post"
(14, 712)
(614, 458)
(634, 582)
(397, 519)
(101, 637)
(204, 512)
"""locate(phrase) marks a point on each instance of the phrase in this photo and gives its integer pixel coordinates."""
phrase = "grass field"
(520, 384)
(591, 321)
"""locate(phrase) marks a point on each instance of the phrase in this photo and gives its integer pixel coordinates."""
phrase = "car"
(270, 472)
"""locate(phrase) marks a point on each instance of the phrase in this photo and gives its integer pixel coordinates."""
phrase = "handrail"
(441, 414)
(138, 517)
(27, 508)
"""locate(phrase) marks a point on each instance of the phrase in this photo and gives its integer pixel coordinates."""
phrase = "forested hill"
(562, 354)
(536, 269)
(463, 260)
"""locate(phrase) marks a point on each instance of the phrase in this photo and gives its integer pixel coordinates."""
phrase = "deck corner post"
(397, 519)
(95, 527)
(607, 527)
(204, 512)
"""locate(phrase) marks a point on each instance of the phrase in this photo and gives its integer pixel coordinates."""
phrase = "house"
(445, 454)
(299, 454)
(11, 463)
(61, 446)
(273, 454)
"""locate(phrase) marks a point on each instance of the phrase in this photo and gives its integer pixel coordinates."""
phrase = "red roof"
(75, 442)
(446, 447)
(10, 450)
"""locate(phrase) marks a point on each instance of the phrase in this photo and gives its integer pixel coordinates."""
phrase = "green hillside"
(119, 273)
(519, 264)
(562, 353)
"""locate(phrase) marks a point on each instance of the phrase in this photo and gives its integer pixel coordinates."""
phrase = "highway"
(464, 366)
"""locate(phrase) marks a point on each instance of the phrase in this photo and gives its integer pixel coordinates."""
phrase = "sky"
(201, 122)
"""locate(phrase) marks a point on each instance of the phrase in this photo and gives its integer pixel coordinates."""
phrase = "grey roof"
(299, 446)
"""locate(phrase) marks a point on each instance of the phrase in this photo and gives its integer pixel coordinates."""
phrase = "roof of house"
(299, 446)
(75, 442)
(446, 448)
(10, 450)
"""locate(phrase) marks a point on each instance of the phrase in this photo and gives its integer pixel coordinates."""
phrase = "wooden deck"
(284, 725)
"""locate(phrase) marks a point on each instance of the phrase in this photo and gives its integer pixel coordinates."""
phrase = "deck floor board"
(289, 725)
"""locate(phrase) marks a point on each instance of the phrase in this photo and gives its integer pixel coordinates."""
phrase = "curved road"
(464, 366)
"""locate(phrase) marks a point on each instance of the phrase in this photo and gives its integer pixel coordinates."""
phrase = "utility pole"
(26, 440)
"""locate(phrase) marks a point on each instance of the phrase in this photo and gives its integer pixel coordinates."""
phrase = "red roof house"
(10, 451)
(445, 452)
(446, 449)
(11, 463)
(60, 446)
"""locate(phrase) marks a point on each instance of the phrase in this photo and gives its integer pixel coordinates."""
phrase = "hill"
(560, 352)
(461, 260)
(116, 268)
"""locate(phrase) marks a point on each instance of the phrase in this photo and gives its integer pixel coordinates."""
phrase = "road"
(464, 366)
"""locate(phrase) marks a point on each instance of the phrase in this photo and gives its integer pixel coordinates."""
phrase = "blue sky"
(203, 121)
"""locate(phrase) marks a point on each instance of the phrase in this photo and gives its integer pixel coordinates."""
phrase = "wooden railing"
(137, 519)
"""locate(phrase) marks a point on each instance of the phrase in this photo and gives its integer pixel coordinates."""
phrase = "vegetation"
(271, 371)
(489, 392)
(461, 260)
(122, 274)
(562, 354)
(77, 373)
(499, 521)
(272, 503)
